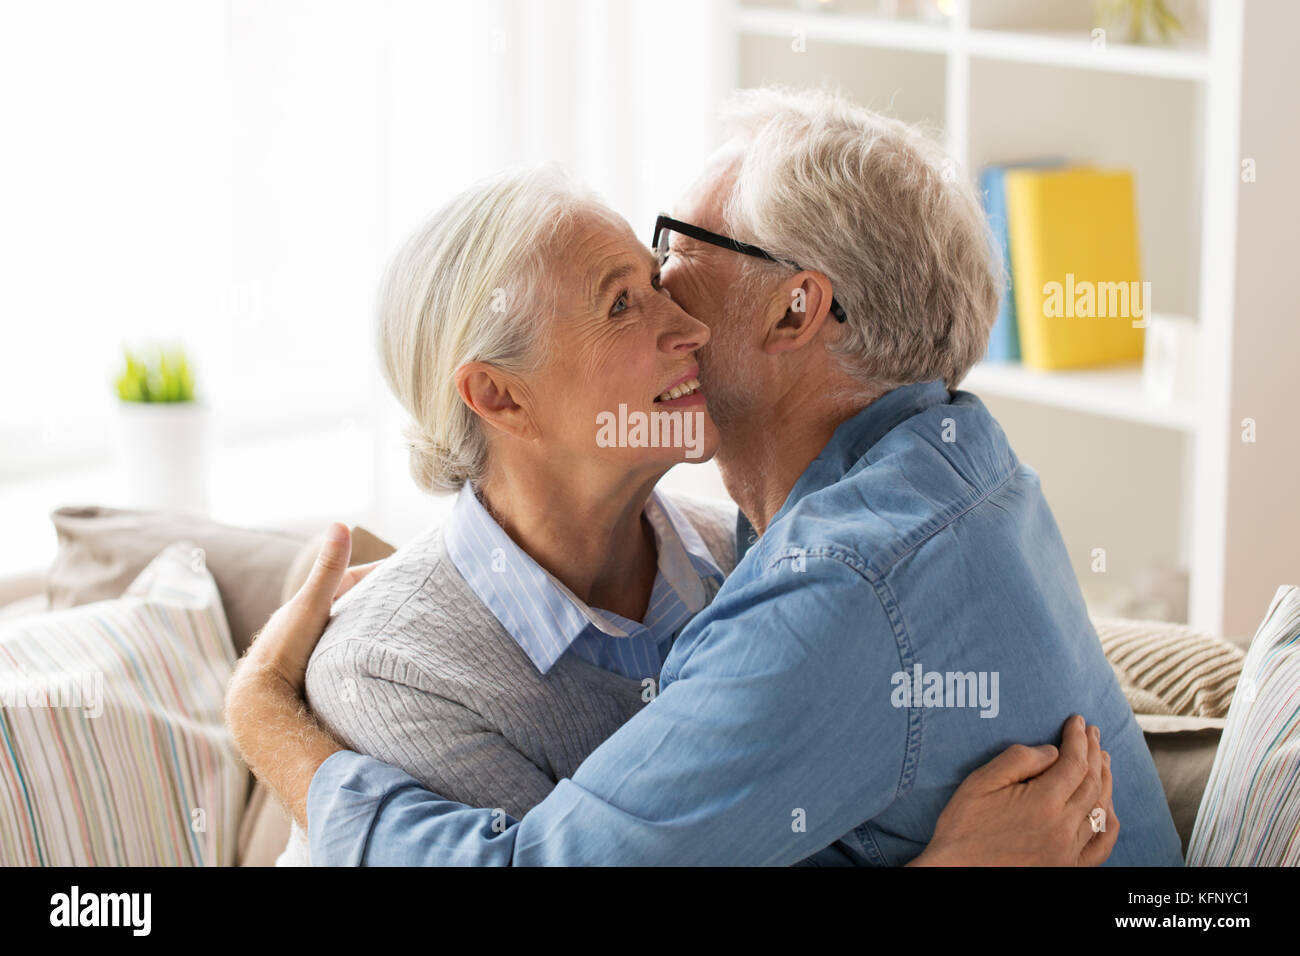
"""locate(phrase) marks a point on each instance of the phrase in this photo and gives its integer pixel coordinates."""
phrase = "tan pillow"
(1169, 668)
(265, 827)
(1183, 749)
(101, 550)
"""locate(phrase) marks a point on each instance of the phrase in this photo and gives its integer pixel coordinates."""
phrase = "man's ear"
(799, 311)
(501, 400)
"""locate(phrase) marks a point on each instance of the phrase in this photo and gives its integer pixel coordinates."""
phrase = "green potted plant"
(164, 432)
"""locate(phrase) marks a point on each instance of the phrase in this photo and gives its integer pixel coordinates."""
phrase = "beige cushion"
(266, 825)
(35, 604)
(21, 587)
(1169, 668)
(264, 829)
(1183, 749)
(101, 550)
(115, 753)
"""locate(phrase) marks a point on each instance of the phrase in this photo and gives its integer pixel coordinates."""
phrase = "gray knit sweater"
(415, 670)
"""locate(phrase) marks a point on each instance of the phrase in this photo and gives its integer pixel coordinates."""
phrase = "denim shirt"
(910, 612)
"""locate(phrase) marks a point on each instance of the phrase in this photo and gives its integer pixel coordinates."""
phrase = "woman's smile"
(683, 392)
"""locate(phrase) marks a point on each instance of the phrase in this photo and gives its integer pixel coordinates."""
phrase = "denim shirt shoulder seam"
(906, 658)
(936, 524)
(863, 832)
(902, 645)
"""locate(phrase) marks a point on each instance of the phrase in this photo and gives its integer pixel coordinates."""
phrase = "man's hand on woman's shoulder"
(264, 709)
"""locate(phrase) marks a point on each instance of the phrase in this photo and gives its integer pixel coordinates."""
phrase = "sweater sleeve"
(380, 704)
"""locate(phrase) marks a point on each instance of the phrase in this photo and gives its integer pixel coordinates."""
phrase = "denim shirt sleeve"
(773, 736)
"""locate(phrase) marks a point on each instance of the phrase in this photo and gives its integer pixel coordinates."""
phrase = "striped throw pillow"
(1250, 813)
(112, 749)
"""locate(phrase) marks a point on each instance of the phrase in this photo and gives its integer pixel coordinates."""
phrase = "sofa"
(208, 587)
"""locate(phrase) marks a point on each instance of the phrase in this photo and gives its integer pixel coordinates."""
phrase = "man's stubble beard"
(729, 371)
(728, 368)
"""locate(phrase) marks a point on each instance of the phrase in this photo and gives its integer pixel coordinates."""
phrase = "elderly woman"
(488, 656)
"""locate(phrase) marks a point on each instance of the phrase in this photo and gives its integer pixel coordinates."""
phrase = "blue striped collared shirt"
(546, 619)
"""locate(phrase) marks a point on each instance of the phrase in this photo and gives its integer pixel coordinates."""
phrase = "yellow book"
(1080, 298)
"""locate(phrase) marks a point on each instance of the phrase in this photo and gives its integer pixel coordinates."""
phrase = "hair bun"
(434, 466)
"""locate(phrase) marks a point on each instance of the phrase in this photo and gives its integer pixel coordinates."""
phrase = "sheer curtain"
(232, 174)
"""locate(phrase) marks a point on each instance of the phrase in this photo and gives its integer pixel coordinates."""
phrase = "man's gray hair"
(884, 212)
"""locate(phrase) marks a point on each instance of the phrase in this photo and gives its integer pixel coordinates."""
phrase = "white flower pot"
(164, 454)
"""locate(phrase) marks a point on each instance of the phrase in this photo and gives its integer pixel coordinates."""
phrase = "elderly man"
(905, 610)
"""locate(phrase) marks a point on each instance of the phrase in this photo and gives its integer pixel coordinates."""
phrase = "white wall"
(1263, 532)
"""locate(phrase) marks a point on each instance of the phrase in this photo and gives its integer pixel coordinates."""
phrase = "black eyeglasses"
(666, 225)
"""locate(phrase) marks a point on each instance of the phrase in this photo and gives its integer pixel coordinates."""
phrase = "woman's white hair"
(470, 285)
(882, 210)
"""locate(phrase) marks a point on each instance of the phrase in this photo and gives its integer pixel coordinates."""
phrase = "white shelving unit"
(1113, 392)
(1007, 80)
(956, 37)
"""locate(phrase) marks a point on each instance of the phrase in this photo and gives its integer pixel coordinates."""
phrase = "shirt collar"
(538, 611)
(684, 559)
(855, 436)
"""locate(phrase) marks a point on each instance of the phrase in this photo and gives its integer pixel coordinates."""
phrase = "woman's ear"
(496, 397)
(804, 301)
